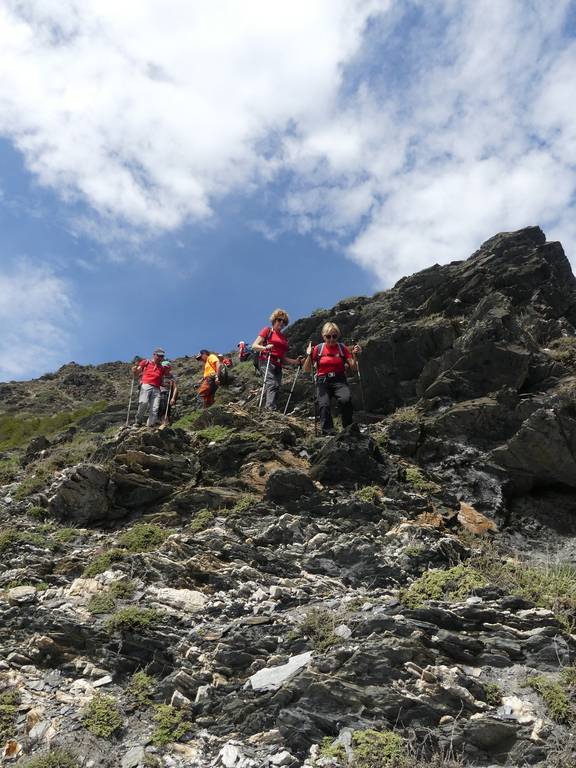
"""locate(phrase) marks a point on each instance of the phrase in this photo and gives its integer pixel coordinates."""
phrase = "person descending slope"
(152, 373)
(273, 346)
(210, 376)
(331, 359)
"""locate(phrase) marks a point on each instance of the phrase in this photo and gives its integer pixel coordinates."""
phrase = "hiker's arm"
(259, 345)
(174, 391)
(351, 361)
(136, 369)
(293, 361)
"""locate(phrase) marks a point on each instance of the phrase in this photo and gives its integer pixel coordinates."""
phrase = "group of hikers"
(329, 361)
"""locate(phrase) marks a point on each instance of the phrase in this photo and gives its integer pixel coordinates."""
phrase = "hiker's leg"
(204, 392)
(154, 406)
(211, 391)
(341, 392)
(143, 403)
(324, 412)
(273, 381)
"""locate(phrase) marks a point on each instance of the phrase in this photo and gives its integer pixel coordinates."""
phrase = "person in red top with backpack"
(272, 345)
(152, 373)
(331, 358)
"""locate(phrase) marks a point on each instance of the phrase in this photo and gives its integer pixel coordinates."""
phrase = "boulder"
(288, 485)
(350, 457)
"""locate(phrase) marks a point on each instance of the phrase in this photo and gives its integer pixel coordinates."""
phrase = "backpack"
(340, 351)
(256, 355)
(224, 375)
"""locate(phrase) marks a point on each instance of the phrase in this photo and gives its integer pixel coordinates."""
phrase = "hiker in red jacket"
(152, 373)
(272, 345)
(331, 358)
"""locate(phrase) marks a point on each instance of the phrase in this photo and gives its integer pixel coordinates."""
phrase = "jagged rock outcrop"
(241, 590)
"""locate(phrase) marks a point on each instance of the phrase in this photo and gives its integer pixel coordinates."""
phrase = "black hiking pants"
(326, 389)
(272, 386)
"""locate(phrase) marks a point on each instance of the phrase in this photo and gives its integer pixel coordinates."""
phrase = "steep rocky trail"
(233, 591)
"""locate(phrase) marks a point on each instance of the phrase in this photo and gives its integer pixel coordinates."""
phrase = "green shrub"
(132, 618)
(143, 537)
(369, 493)
(122, 590)
(408, 413)
(188, 420)
(141, 688)
(9, 469)
(330, 748)
(171, 724)
(555, 696)
(319, 625)
(216, 433)
(201, 520)
(101, 603)
(103, 562)
(37, 513)
(66, 535)
(102, 716)
(452, 585)
(58, 758)
(8, 537)
(378, 749)
(9, 701)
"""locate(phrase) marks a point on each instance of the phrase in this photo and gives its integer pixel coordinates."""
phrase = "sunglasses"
(331, 336)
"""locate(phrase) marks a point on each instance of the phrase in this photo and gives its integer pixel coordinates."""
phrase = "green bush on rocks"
(141, 687)
(58, 758)
(216, 433)
(171, 724)
(369, 493)
(319, 625)
(101, 603)
(555, 696)
(9, 701)
(132, 618)
(200, 521)
(378, 749)
(143, 537)
(102, 716)
(103, 563)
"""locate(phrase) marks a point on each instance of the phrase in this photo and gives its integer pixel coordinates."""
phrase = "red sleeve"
(142, 364)
(264, 333)
(347, 354)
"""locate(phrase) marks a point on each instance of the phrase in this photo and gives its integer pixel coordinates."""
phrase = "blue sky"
(170, 174)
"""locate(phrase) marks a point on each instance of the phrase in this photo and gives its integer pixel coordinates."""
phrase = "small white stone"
(102, 681)
(282, 758)
(343, 631)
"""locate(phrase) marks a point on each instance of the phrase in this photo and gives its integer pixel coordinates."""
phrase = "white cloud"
(35, 315)
(406, 145)
(149, 111)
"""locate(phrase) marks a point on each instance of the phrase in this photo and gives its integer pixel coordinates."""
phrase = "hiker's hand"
(172, 403)
(309, 348)
(269, 347)
(299, 361)
(356, 349)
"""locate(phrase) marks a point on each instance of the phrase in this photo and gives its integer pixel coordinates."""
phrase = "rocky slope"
(234, 591)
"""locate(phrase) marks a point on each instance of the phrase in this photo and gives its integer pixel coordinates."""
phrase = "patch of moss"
(37, 513)
(103, 562)
(201, 520)
(143, 537)
(493, 694)
(319, 625)
(416, 478)
(132, 618)
(408, 413)
(452, 585)
(9, 469)
(58, 758)
(378, 749)
(171, 724)
(32, 483)
(102, 716)
(188, 420)
(332, 749)
(101, 603)
(17, 430)
(216, 433)
(369, 493)
(9, 701)
(555, 697)
(10, 537)
(564, 350)
(244, 503)
(141, 688)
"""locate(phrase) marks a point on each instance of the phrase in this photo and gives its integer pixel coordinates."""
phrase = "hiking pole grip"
(130, 401)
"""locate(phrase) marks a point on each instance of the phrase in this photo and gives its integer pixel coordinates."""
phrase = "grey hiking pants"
(326, 389)
(272, 386)
(148, 403)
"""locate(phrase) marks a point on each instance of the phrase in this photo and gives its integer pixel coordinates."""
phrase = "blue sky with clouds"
(171, 173)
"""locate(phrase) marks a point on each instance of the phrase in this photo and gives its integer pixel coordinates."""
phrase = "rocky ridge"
(233, 591)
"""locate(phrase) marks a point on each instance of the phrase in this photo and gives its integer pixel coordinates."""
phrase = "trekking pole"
(292, 389)
(264, 382)
(165, 419)
(357, 361)
(130, 401)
